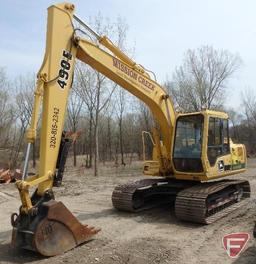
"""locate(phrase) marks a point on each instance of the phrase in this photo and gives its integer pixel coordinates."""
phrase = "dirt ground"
(153, 236)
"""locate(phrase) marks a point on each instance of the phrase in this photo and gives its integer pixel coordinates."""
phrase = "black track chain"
(191, 203)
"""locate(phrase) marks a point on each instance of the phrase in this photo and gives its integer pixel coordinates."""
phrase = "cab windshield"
(188, 143)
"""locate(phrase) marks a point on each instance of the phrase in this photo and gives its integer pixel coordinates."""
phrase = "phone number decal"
(54, 127)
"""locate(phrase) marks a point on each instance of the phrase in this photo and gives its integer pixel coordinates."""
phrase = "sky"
(160, 32)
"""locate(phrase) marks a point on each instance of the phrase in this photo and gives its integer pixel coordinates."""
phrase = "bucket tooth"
(53, 231)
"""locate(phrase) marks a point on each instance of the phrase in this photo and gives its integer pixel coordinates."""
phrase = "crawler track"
(194, 202)
(207, 202)
(145, 194)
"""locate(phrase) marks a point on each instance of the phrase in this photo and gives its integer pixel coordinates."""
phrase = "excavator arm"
(44, 225)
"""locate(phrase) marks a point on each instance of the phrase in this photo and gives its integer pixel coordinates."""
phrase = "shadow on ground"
(163, 214)
(8, 254)
(247, 257)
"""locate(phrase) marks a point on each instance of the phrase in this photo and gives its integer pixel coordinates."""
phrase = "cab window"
(218, 139)
(188, 143)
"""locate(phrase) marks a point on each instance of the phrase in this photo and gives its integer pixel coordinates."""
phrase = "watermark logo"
(235, 243)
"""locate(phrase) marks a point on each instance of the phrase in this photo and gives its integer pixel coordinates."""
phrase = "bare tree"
(235, 119)
(24, 107)
(6, 113)
(201, 81)
(146, 117)
(249, 126)
(73, 115)
(7, 118)
(95, 92)
(85, 80)
(110, 128)
(121, 105)
(249, 105)
(94, 88)
(98, 107)
(107, 131)
(243, 121)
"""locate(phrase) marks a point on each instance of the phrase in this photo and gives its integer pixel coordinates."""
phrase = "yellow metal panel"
(58, 67)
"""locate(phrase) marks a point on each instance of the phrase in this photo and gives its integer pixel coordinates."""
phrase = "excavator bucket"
(53, 231)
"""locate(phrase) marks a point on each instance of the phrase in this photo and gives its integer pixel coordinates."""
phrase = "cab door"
(218, 146)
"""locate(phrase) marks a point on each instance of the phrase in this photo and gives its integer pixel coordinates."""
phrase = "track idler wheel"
(53, 231)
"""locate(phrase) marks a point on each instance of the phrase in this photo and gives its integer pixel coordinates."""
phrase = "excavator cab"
(202, 148)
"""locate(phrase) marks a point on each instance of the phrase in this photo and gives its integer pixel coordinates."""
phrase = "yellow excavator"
(190, 150)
